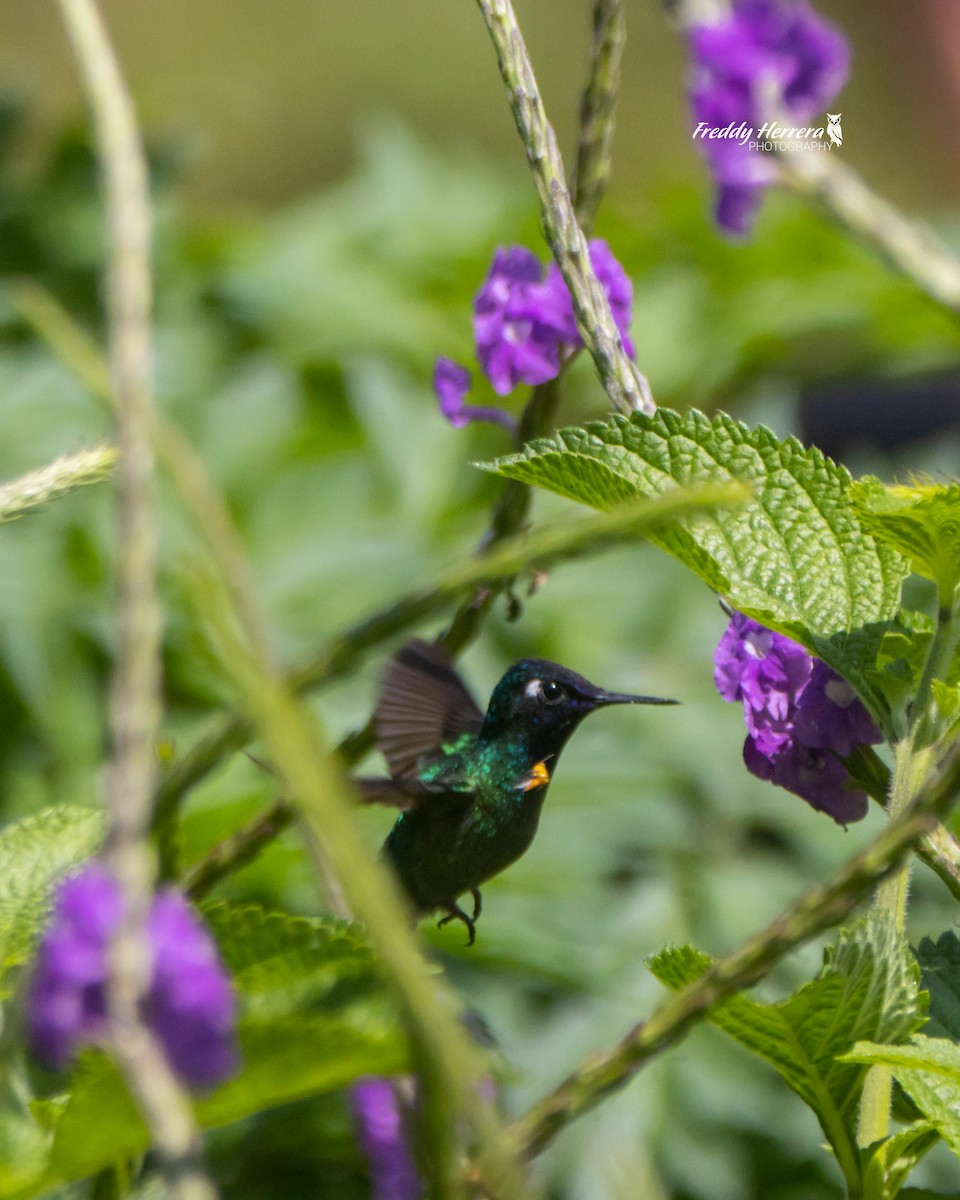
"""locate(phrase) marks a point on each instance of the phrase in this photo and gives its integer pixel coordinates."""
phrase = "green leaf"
(283, 1060)
(24, 1142)
(796, 557)
(929, 1071)
(940, 975)
(889, 1162)
(315, 1015)
(921, 522)
(34, 854)
(868, 983)
(280, 963)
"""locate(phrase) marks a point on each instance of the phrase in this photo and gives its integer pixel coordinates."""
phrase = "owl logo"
(834, 132)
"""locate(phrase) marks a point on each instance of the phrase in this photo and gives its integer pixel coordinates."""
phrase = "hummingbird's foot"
(457, 914)
(477, 902)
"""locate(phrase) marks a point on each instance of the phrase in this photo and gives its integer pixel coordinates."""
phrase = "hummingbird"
(472, 785)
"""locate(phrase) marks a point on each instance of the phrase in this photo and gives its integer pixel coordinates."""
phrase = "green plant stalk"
(57, 478)
(911, 768)
(817, 910)
(549, 545)
(135, 693)
(939, 849)
(627, 388)
(450, 1066)
(914, 756)
(908, 246)
(924, 717)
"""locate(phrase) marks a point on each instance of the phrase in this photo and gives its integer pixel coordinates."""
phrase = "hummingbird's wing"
(423, 705)
(377, 790)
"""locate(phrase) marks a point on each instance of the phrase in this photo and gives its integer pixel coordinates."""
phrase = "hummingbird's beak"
(604, 698)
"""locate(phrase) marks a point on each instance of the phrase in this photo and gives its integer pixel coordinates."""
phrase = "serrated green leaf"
(890, 1162)
(940, 975)
(280, 963)
(256, 942)
(796, 557)
(928, 1069)
(921, 522)
(283, 1060)
(34, 854)
(869, 983)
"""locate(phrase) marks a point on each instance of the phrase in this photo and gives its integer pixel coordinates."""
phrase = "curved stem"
(135, 704)
(626, 387)
(819, 909)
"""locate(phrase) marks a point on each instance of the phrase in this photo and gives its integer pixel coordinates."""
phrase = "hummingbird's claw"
(457, 914)
(477, 902)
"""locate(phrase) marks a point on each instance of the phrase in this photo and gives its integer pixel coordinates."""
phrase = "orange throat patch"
(538, 777)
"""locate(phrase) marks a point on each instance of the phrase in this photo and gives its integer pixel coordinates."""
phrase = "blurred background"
(331, 181)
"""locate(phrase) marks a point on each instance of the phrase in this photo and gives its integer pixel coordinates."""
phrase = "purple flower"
(816, 776)
(68, 1001)
(517, 341)
(802, 718)
(451, 382)
(766, 671)
(189, 1004)
(556, 307)
(765, 59)
(829, 715)
(379, 1120)
(525, 328)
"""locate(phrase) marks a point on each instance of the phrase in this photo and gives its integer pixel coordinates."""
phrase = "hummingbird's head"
(546, 702)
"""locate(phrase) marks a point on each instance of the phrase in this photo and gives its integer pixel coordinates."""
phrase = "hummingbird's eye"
(551, 692)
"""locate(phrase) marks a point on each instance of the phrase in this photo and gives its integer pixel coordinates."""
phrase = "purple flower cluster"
(393, 1175)
(764, 59)
(525, 328)
(189, 1004)
(802, 718)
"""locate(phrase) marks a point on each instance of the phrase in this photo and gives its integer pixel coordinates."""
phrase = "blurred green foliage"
(295, 353)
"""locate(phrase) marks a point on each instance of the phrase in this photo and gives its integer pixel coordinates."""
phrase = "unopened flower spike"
(189, 1004)
(763, 59)
(802, 719)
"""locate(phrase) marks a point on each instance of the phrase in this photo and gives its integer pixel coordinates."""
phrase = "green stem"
(911, 768)
(449, 1065)
(819, 909)
(924, 713)
(938, 849)
(623, 383)
(914, 757)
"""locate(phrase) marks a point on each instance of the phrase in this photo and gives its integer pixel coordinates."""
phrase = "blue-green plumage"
(473, 785)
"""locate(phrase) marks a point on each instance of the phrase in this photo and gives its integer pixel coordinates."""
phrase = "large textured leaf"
(929, 1071)
(34, 854)
(314, 1017)
(869, 983)
(922, 522)
(797, 557)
